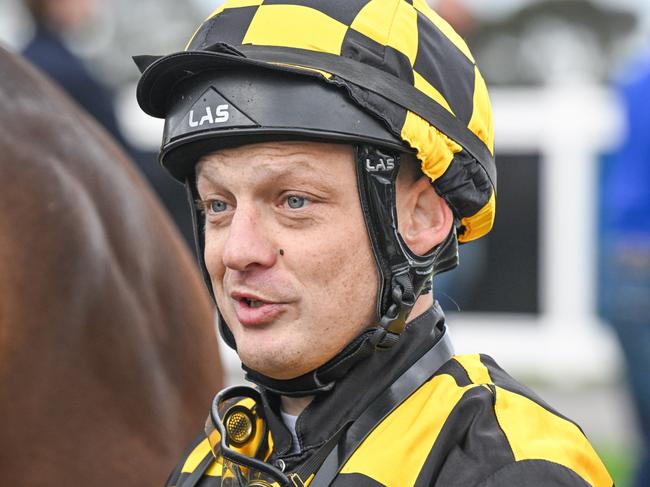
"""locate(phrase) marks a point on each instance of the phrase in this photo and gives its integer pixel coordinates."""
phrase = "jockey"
(337, 153)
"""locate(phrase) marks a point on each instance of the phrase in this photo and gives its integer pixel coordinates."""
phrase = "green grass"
(620, 463)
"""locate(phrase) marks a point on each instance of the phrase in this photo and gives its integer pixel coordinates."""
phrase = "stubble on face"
(324, 281)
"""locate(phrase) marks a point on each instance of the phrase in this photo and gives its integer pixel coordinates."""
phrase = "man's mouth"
(253, 303)
(253, 310)
(249, 299)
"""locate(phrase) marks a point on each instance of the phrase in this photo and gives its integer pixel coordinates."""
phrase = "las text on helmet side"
(380, 164)
(221, 115)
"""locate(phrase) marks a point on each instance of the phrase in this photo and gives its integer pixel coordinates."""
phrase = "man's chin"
(274, 365)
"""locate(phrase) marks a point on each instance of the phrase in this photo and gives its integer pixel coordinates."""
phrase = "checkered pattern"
(404, 38)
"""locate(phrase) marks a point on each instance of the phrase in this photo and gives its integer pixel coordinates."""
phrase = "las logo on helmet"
(381, 164)
(220, 115)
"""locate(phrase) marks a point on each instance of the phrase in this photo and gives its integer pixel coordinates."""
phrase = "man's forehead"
(274, 158)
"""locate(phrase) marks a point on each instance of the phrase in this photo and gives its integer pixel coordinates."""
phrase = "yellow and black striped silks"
(469, 424)
(468, 419)
(416, 54)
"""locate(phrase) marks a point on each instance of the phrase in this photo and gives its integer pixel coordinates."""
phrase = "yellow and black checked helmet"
(387, 74)
(396, 59)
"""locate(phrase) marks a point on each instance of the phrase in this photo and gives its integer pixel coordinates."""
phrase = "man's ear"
(424, 218)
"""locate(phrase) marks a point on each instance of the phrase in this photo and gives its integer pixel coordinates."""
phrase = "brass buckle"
(296, 480)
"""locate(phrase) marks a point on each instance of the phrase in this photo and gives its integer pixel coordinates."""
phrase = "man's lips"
(253, 310)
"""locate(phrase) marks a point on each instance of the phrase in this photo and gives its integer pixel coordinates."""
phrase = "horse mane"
(108, 355)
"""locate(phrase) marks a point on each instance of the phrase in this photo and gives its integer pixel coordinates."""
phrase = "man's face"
(287, 252)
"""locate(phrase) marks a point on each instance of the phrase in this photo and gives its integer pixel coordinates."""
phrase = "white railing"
(569, 126)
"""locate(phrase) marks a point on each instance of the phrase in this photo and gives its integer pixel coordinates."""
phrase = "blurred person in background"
(625, 285)
(54, 21)
(457, 14)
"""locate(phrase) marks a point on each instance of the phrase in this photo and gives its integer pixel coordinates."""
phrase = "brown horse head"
(108, 358)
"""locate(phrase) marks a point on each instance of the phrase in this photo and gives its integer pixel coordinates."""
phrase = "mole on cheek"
(281, 251)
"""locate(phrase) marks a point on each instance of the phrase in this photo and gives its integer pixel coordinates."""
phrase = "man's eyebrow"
(299, 168)
(208, 173)
(296, 171)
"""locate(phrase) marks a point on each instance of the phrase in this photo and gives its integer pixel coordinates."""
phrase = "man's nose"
(248, 244)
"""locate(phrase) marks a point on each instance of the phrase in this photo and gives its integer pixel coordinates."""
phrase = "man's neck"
(296, 405)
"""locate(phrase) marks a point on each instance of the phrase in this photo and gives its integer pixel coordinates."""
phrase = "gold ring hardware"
(240, 425)
(259, 483)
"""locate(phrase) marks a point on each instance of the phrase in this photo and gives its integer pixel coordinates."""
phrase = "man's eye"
(296, 202)
(217, 206)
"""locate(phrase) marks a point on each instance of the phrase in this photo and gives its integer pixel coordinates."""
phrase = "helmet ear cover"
(403, 275)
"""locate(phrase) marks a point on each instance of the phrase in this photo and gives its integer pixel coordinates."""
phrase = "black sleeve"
(173, 477)
(534, 473)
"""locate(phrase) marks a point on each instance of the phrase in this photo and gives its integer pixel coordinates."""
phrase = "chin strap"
(393, 322)
(403, 275)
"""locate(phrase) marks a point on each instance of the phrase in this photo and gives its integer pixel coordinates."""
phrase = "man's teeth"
(253, 303)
